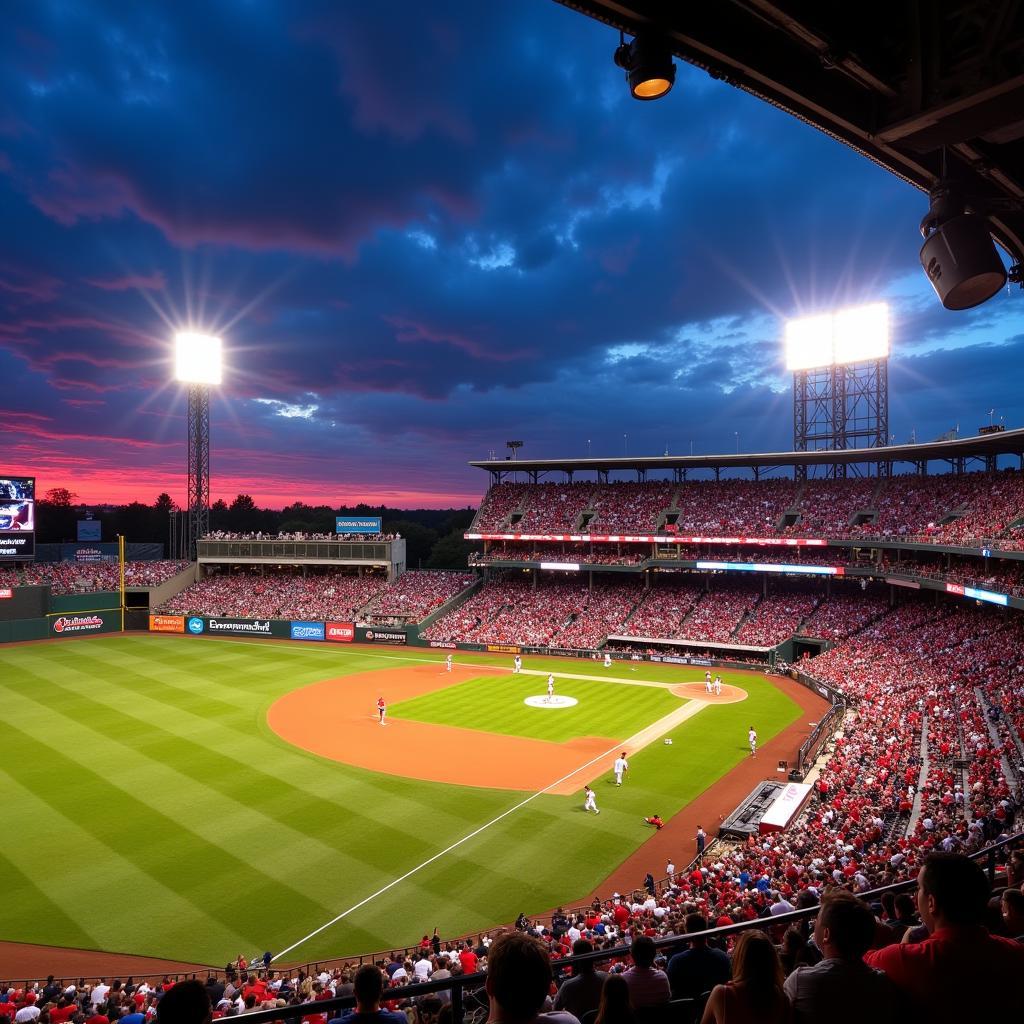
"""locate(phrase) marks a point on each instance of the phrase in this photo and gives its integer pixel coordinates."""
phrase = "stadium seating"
(414, 595)
(283, 594)
(949, 508)
(77, 577)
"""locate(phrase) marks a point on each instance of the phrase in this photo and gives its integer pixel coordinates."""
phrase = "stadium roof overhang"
(1007, 442)
(900, 83)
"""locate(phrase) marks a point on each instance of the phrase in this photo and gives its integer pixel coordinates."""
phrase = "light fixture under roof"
(650, 70)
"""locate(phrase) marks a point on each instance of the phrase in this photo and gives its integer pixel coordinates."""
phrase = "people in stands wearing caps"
(842, 988)
(960, 972)
(699, 968)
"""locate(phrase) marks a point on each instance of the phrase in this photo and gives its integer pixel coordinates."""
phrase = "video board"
(17, 516)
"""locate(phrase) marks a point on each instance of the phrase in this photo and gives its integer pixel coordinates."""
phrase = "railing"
(460, 986)
(991, 855)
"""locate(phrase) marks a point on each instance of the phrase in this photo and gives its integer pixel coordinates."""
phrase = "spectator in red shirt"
(960, 972)
(468, 958)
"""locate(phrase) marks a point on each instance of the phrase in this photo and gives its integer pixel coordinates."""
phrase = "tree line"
(433, 537)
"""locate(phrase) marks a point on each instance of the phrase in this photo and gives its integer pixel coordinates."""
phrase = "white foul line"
(458, 843)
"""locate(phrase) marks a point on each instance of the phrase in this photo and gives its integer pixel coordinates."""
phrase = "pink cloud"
(153, 282)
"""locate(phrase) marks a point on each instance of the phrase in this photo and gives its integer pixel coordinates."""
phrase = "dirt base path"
(403, 747)
(677, 840)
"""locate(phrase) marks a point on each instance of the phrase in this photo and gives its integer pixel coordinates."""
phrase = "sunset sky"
(423, 229)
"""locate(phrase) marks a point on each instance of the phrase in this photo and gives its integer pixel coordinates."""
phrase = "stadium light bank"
(198, 363)
(854, 335)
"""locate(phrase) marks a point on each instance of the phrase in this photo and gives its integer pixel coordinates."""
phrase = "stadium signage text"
(503, 648)
(308, 631)
(340, 632)
(17, 545)
(167, 623)
(385, 636)
(239, 627)
(444, 645)
(344, 524)
(6, 592)
(666, 538)
(77, 624)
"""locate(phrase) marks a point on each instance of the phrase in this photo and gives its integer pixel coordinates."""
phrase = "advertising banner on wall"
(83, 625)
(365, 524)
(503, 648)
(340, 632)
(167, 623)
(308, 631)
(201, 625)
(381, 636)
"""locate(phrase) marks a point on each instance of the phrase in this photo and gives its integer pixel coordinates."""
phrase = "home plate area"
(554, 701)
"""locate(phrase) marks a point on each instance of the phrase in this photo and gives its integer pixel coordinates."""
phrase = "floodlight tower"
(198, 364)
(840, 364)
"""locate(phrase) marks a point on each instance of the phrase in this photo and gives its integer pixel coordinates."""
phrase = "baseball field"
(199, 798)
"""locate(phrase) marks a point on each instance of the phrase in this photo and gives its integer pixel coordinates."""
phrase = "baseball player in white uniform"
(752, 740)
(590, 804)
(448, 663)
(551, 686)
(718, 686)
(607, 660)
(620, 767)
(517, 665)
(707, 682)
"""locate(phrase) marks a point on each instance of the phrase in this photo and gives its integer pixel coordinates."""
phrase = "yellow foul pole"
(120, 559)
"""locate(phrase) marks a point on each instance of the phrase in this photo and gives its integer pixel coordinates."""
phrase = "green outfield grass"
(150, 809)
(495, 704)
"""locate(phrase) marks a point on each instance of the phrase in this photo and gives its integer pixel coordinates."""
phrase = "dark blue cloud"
(425, 228)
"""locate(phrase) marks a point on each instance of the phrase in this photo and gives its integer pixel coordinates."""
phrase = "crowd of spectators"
(948, 508)
(718, 614)
(414, 595)
(81, 577)
(299, 535)
(845, 612)
(777, 617)
(664, 606)
(277, 594)
(578, 554)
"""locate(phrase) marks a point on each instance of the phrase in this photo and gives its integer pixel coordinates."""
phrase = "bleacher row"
(290, 594)
(512, 609)
(950, 508)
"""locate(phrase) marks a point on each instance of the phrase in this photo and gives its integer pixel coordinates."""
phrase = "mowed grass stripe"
(29, 895)
(177, 860)
(546, 853)
(236, 785)
(496, 704)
